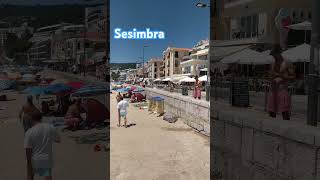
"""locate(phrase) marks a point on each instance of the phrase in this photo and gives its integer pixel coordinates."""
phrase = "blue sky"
(183, 23)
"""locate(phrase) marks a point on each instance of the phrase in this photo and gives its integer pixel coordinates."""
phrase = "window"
(294, 14)
(176, 63)
(79, 46)
(176, 54)
(302, 14)
(310, 15)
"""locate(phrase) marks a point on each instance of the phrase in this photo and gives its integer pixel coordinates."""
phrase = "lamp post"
(144, 46)
(202, 5)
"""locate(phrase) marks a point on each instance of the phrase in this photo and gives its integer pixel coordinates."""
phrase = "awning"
(187, 79)
(247, 56)
(299, 53)
(306, 25)
(203, 78)
(167, 79)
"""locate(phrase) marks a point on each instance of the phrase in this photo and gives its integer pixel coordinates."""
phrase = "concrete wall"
(194, 113)
(250, 146)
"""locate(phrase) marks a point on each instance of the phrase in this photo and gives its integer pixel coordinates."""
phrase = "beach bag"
(171, 118)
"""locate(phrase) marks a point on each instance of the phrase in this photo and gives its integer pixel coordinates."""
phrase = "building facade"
(198, 61)
(155, 68)
(172, 58)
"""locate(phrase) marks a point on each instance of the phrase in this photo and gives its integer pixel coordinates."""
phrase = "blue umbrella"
(138, 89)
(57, 88)
(35, 90)
(92, 90)
(123, 90)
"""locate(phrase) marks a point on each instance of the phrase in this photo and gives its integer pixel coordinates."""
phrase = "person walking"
(281, 72)
(197, 89)
(26, 111)
(122, 107)
(38, 146)
(118, 97)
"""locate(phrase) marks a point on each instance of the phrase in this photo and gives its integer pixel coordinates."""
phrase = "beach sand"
(154, 149)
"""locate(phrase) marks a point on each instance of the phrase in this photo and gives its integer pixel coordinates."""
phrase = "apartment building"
(155, 68)
(198, 60)
(248, 19)
(172, 58)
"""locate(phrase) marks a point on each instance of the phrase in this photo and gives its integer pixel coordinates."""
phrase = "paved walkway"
(153, 149)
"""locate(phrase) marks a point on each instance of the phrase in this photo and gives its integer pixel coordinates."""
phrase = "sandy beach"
(74, 157)
(154, 149)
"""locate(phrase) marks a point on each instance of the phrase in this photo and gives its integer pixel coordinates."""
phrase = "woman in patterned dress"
(281, 73)
(197, 89)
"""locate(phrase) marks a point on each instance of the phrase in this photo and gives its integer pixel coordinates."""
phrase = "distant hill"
(122, 66)
(42, 15)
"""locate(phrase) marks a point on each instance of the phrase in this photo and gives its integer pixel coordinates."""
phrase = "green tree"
(115, 76)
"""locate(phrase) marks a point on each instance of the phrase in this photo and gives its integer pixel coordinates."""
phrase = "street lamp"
(201, 5)
(144, 46)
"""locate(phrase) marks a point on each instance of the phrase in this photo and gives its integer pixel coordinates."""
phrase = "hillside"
(39, 15)
(122, 66)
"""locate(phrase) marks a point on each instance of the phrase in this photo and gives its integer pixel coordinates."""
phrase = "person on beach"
(197, 89)
(38, 146)
(73, 115)
(281, 73)
(118, 97)
(122, 107)
(26, 111)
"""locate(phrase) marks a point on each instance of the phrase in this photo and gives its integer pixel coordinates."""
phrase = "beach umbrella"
(203, 78)
(76, 85)
(28, 76)
(91, 90)
(58, 88)
(60, 81)
(96, 111)
(6, 84)
(36, 90)
(167, 79)
(123, 90)
(138, 89)
(187, 79)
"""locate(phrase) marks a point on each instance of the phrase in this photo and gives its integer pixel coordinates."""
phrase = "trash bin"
(150, 104)
(159, 105)
(185, 90)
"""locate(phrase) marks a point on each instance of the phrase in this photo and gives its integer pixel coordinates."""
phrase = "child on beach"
(38, 146)
(122, 111)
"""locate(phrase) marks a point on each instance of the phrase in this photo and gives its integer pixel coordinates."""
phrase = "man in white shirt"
(122, 107)
(38, 145)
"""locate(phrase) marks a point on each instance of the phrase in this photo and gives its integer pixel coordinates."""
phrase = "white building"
(197, 62)
(171, 61)
(155, 69)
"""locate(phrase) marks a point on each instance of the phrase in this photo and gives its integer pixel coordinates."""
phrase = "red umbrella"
(76, 85)
(96, 111)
